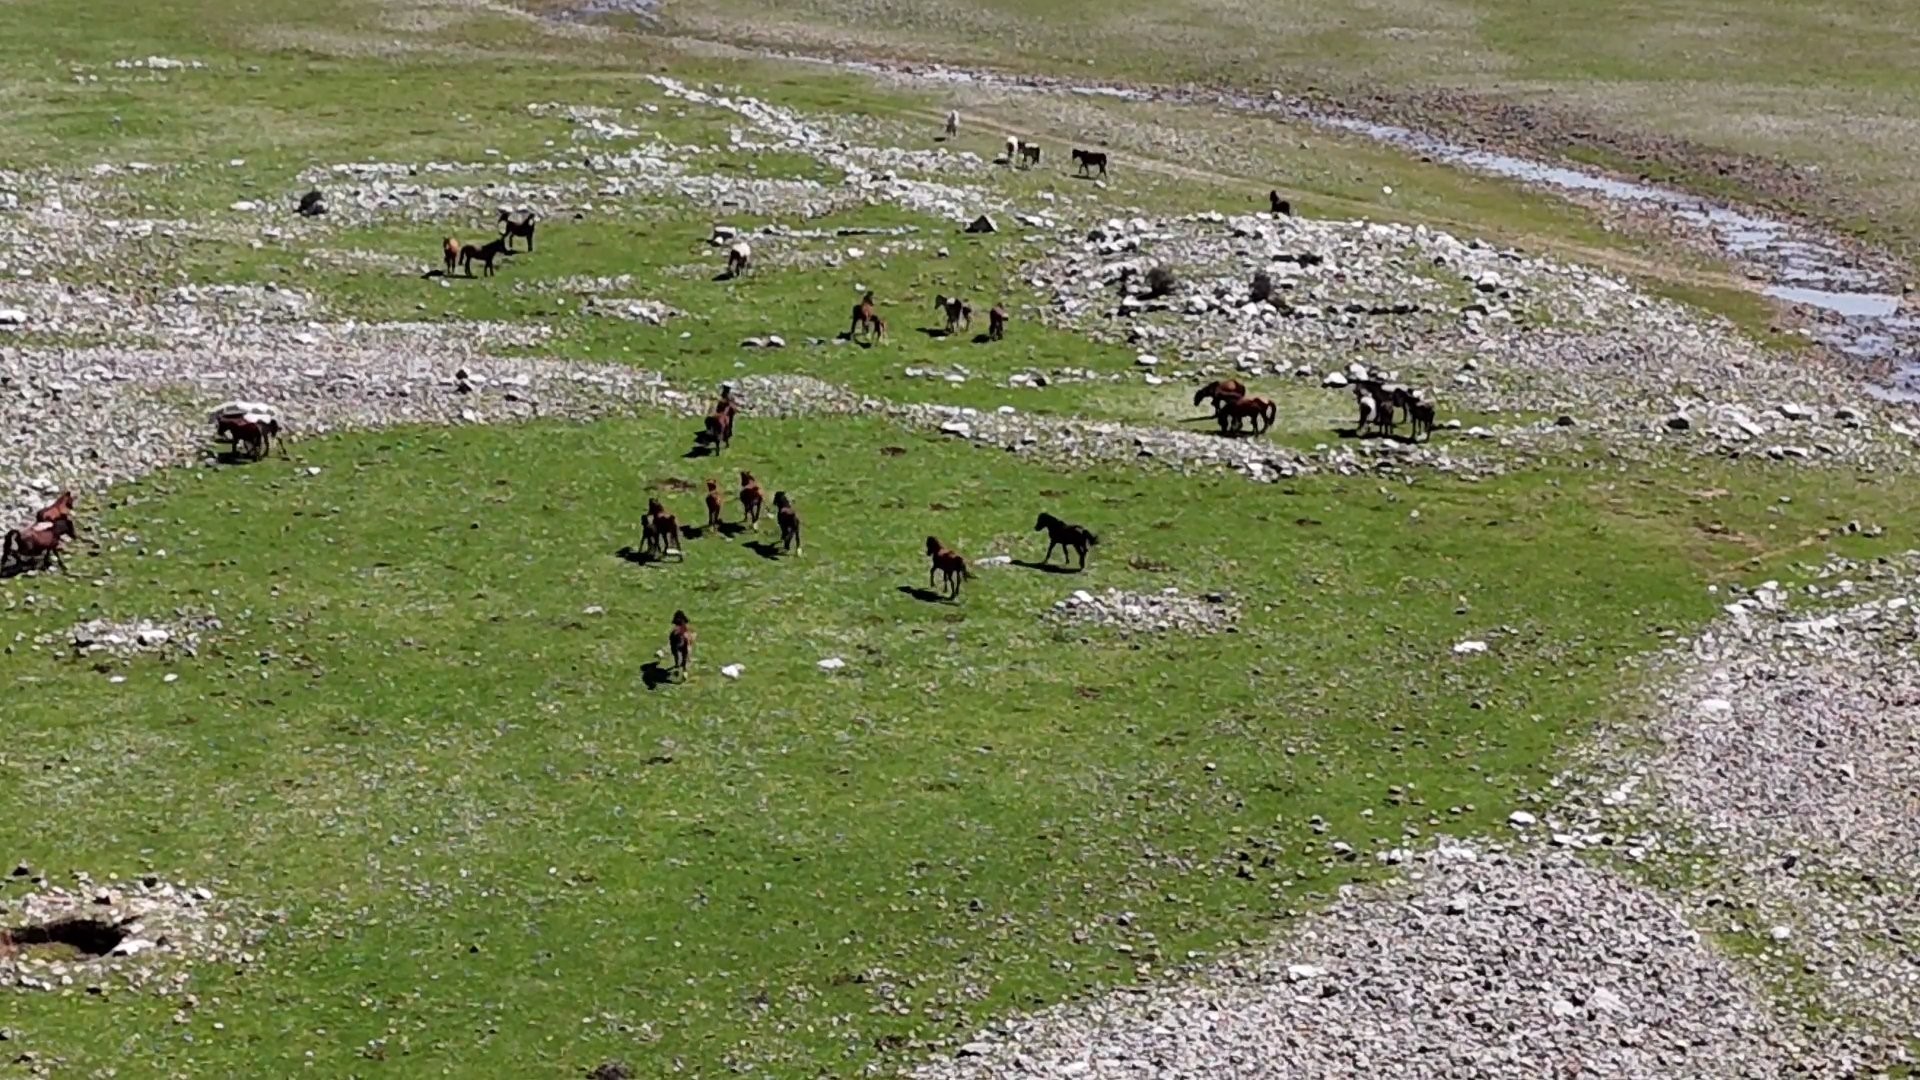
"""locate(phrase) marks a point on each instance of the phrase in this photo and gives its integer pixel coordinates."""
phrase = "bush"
(1161, 281)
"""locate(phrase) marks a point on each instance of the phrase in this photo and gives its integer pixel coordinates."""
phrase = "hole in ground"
(76, 938)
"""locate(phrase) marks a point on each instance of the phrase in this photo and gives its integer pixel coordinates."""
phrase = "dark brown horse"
(250, 436)
(789, 519)
(996, 323)
(680, 643)
(959, 313)
(518, 223)
(1232, 413)
(662, 531)
(752, 499)
(1420, 411)
(486, 253)
(1088, 161)
(37, 544)
(866, 317)
(713, 503)
(949, 565)
(1220, 391)
(450, 253)
(1065, 536)
(720, 426)
(1280, 206)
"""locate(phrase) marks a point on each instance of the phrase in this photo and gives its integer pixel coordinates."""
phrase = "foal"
(752, 499)
(957, 311)
(1065, 536)
(713, 504)
(789, 519)
(39, 542)
(1420, 412)
(680, 643)
(518, 223)
(1280, 206)
(949, 565)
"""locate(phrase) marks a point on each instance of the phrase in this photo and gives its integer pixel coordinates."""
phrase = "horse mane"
(679, 618)
(934, 546)
(1045, 520)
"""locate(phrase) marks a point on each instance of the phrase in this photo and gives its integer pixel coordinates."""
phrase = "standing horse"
(739, 258)
(1230, 414)
(450, 253)
(1013, 150)
(662, 531)
(789, 519)
(949, 565)
(713, 503)
(997, 323)
(518, 223)
(867, 317)
(953, 122)
(39, 542)
(680, 643)
(720, 426)
(1220, 391)
(752, 499)
(1089, 160)
(1029, 154)
(958, 312)
(1279, 206)
(251, 434)
(1065, 536)
(1421, 414)
(486, 253)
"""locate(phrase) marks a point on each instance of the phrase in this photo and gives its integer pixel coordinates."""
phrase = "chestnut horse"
(680, 643)
(1065, 536)
(866, 317)
(1261, 411)
(713, 503)
(60, 509)
(720, 426)
(789, 519)
(450, 253)
(1220, 391)
(662, 531)
(949, 565)
(39, 542)
(752, 499)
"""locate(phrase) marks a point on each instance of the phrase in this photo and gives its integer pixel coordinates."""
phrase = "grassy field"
(429, 732)
(1824, 85)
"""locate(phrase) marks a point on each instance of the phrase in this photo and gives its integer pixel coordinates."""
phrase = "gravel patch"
(142, 934)
(1147, 613)
(141, 636)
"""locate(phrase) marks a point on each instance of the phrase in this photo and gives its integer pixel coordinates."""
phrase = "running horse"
(680, 643)
(789, 519)
(38, 543)
(1068, 537)
(752, 500)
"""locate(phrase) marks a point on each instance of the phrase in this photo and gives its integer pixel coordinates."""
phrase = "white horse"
(739, 258)
(1013, 150)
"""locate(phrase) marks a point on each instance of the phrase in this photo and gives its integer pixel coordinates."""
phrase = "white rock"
(1468, 648)
(733, 671)
(831, 663)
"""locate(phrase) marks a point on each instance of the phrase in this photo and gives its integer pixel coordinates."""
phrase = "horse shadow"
(700, 449)
(235, 457)
(655, 675)
(865, 343)
(765, 549)
(1047, 567)
(730, 529)
(925, 596)
(982, 338)
(693, 532)
(725, 275)
(935, 331)
(636, 556)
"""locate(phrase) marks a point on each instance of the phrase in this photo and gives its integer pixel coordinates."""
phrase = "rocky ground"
(137, 935)
(1147, 613)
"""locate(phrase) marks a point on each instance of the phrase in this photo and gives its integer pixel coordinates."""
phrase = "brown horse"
(450, 253)
(680, 643)
(713, 503)
(249, 436)
(518, 223)
(789, 519)
(486, 253)
(662, 531)
(867, 317)
(720, 426)
(958, 312)
(1421, 413)
(996, 323)
(1230, 414)
(1087, 161)
(752, 499)
(949, 565)
(1067, 537)
(1220, 391)
(60, 509)
(37, 543)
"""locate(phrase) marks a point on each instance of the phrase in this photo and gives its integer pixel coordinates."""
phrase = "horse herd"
(512, 223)
(1380, 405)
(1025, 155)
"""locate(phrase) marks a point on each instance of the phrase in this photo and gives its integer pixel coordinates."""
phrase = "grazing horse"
(518, 223)
(1229, 414)
(866, 317)
(680, 643)
(1220, 391)
(997, 323)
(39, 542)
(1280, 206)
(1029, 154)
(486, 253)
(1065, 536)
(789, 520)
(450, 253)
(949, 565)
(953, 122)
(1089, 160)
(752, 499)
(1420, 412)
(252, 435)
(720, 426)
(739, 259)
(958, 312)
(60, 509)
(662, 531)
(713, 503)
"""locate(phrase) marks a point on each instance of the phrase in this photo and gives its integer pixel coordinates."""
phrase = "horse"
(713, 504)
(1065, 536)
(1013, 150)
(1088, 160)
(1368, 407)
(865, 317)
(1261, 411)
(37, 542)
(789, 520)
(662, 531)
(486, 253)
(996, 323)
(450, 253)
(60, 509)
(1420, 412)
(953, 122)
(949, 565)
(958, 312)
(752, 499)
(1387, 401)
(250, 434)
(518, 223)
(1280, 206)
(1220, 391)
(1029, 154)
(680, 643)
(720, 426)
(739, 259)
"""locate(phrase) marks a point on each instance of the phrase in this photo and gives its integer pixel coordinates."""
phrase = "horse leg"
(1082, 549)
(931, 570)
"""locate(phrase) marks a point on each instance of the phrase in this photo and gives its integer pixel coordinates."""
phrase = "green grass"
(411, 737)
